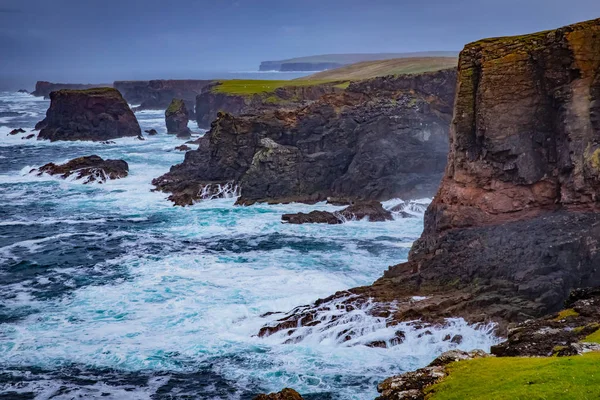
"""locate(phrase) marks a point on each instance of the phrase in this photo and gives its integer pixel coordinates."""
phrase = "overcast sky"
(104, 40)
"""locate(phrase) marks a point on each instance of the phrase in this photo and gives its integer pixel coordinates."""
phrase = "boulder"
(176, 118)
(30, 136)
(372, 210)
(285, 394)
(93, 114)
(183, 147)
(151, 132)
(17, 131)
(89, 168)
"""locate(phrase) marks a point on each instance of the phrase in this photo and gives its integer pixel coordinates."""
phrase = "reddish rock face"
(92, 114)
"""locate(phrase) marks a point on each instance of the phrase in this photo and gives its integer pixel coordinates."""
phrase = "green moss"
(175, 105)
(595, 159)
(593, 338)
(92, 91)
(564, 314)
(343, 85)
(245, 87)
(272, 100)
(516, 378)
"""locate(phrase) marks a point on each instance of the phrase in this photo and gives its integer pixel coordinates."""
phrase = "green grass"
(175, 105)
(593, 338)
(351, 58)
(398, 66)
(508, 378)
(247, 87)
(564, 314)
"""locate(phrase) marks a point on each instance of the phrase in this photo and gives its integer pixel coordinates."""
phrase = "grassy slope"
(249, 87)
(565, 378)
(398, 66)
(359, 57)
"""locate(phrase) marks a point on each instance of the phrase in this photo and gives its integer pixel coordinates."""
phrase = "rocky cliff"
(176, 119)
(515, 224)
(157, 94)
(379, 139)
(93, 114)
(211, 100)
(43, 88)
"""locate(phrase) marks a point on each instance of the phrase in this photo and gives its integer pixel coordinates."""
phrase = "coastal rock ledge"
(515, 225)
(94, 114)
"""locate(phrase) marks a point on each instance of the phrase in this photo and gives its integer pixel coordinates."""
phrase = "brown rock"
(17, 131)
(183, 147)
(93, 114)
(285, 394)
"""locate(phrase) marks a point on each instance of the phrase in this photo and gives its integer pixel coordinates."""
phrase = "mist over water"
(108, 291)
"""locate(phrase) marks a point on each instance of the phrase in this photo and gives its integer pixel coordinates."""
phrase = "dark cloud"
(74, 40)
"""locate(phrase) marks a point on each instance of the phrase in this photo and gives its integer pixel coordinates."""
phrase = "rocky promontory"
(44, 88)
(176, 119)
(378, 139)
(89, 168)
(372, 211)
(515, 225)
(94, 114)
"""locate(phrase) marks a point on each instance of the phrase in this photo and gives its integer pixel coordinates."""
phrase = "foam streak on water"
(109, 291)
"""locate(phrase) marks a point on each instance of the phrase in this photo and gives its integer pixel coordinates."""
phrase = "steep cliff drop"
(93, 114)
(378, 139)
(515, 225)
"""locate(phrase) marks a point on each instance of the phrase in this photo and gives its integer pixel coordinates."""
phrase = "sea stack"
(177, 118)
(94, 114)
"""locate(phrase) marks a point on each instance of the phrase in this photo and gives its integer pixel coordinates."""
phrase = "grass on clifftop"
(521, 378)
(246, 87)
(398, 66)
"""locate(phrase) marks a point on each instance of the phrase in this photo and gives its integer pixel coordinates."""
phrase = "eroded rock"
(285, 394)
(372, 210)
(89, 169)
(176, 118)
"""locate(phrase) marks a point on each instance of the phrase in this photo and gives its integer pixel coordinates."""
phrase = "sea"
(108, 291)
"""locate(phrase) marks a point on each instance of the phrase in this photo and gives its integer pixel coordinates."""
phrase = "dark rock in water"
(22, 91)
(195, 141)
(31, 136)
(108, 142)
(16, 131)
(44, 88)
(313, 217)
(140, 137)
(560, 334)
(91, 168)
(379, 139)
(183, 147)
(151, 132)
(285, 394)
(372, 210)
(93, 114)
(176, 118)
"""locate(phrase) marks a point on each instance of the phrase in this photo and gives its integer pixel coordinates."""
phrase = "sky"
(106, 40)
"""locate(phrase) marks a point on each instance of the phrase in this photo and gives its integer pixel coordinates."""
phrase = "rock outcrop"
(285, 394)
(89, 168)
(515, 225)
(158, 94)
(371, 210)
(211, 101)
(376, 140)
(93, 114)
(176, 118)
(44, 88)
(16, 131)
(151, 132)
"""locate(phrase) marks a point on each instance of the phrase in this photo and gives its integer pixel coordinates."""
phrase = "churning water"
(107, 290)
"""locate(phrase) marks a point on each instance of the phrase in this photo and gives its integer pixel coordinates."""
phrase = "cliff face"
(43, 88)
(515, 224)
(92, 114)
(176, 119)
(376, 140)
(157, 94)
(210, 101)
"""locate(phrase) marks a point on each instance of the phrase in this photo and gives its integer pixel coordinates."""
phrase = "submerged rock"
(17, 131)
(30, 136)
(89, 168)
(94, 114)
(176, 118)
(285, 394)
(151, 132)
(22, 91)
(372, 210)
(183, 147)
